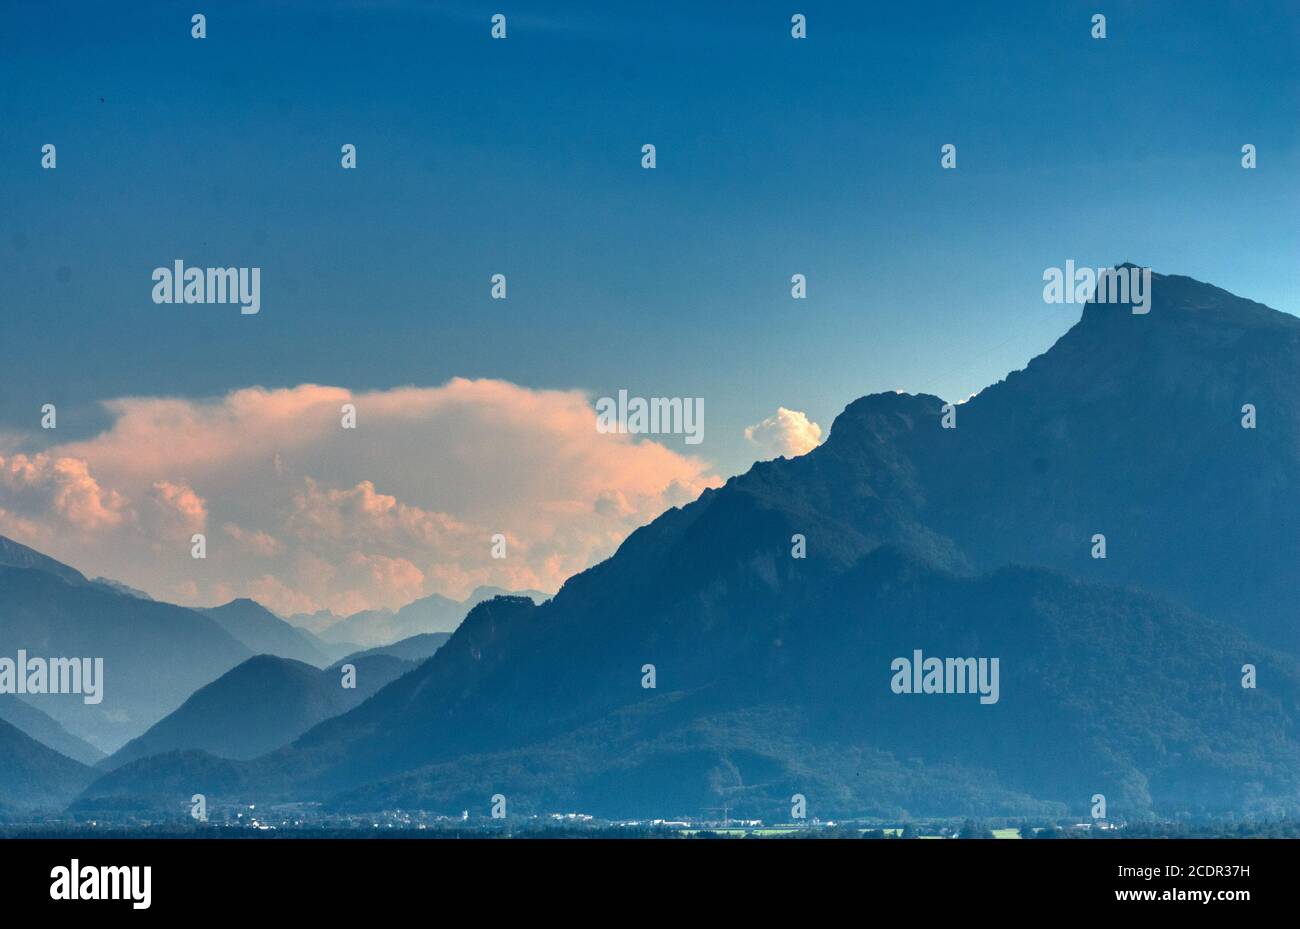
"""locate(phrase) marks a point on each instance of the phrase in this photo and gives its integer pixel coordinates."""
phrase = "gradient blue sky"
(477, 156)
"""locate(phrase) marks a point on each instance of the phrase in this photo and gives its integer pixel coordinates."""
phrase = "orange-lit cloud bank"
(302, 514)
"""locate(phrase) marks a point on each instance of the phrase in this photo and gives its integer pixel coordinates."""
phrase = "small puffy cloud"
(788, 432)
(178, 508)
(313, 516)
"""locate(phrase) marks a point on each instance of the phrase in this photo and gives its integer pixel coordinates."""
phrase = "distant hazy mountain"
(33, 776)
(46, 730)
(314, 623)
(16, 555)
(155, 654)
(434, 613)
(121, 588)
(264, 703)
(1120, 676)
(264, 633)
(416, 649)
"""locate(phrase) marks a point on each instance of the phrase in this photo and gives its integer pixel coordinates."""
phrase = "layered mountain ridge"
(1120, 675)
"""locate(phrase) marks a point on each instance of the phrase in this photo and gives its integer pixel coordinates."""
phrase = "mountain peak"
(1176, 298)
(882, 416)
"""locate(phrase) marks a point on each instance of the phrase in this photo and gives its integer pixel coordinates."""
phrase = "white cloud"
(787, 432)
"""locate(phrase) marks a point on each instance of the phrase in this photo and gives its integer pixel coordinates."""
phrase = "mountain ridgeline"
(431, 615)
(33, 775)
(155, 654)
(171, 678)
(262, 704)
(1120, 675)
(264, 633)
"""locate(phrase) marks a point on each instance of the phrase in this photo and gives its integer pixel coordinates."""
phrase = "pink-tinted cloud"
(179, 508)
(47, 494)
(314, 515)
(255, 541)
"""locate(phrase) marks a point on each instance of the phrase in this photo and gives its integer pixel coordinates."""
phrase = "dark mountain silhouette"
(1101, 691)
(155, 654)
(1120, 676)
(487, 592)
(262, 704)
(45, 729)
(264, 633)
(1131, 427)
(33, 776)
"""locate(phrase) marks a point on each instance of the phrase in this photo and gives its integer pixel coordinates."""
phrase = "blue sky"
(478, 156)
(522, 156)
